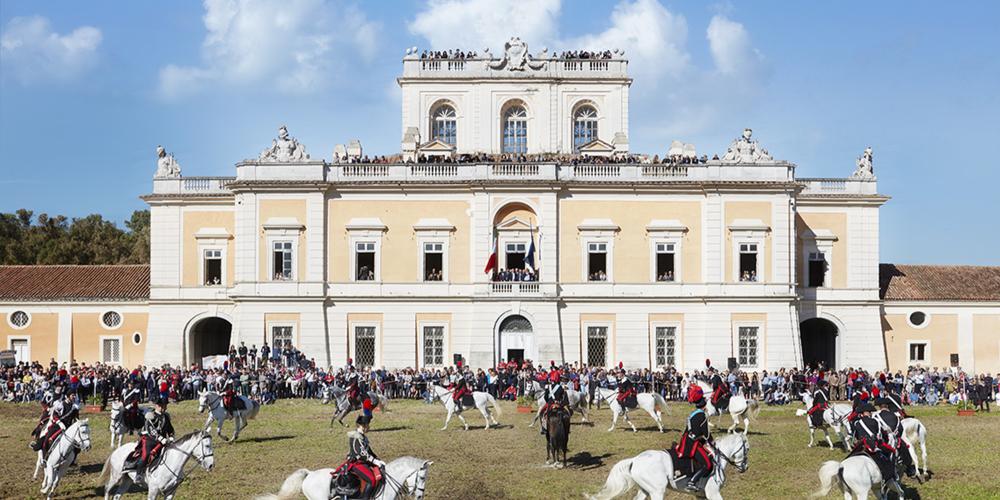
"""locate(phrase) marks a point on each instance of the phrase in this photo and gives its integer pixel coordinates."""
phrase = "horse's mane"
(737, 437)
(188, 436)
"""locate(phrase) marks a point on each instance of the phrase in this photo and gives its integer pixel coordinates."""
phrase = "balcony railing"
(192, 185)
(515, 288)
(839, 186)
(552, 68)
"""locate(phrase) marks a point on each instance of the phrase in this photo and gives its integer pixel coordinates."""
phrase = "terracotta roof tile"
(74, 283)
(920, 282)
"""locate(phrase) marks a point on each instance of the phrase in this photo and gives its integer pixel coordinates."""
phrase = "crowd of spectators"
(515, 275)
(562, 159)
(448, 54)
(583, 54)
(266, 375)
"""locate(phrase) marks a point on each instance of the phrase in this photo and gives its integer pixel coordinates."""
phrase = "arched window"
(584, 126)
(515, 130)
(444, 126)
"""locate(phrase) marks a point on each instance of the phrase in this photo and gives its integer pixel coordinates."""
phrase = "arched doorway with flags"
(515, 251)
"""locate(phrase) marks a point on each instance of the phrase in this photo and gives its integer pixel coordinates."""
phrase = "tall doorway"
(210, 337)
(819, 343)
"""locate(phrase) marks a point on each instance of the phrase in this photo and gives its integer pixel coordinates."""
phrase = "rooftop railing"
(478, 67)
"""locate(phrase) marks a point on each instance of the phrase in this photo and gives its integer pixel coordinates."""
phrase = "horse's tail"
(660, 403)
(105, 470)
(254, 408)
(753, 409)
(493, 401)
(829, 472)
(290, 488)
(619, 481)
(383, 402)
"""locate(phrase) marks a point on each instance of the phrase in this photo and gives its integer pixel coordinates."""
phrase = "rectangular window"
(364, 346)
(433, 346)
(281, 255)
(433, 261)
(747, 346)
(21, 350)
(111, 351)
(748, 262)
(597, 262)
(817, 269)
(514, 255)
(213, 267)
(666, 342)
(918, 352)
(281, 336)
(664, 262)
(597, 345)
(364, 259)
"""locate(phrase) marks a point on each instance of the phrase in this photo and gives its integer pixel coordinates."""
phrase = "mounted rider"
(821, 401)
(892, 427)
(353, 381)
(693, 444)
(626, 389)
(720, 390)
(43, 422)
(230, 401)
(555, 397)
(861, 397)
(870, 440)
(130, 414)
(360, 476)
(157, 432)
(62, 413)
(895, 403)
(459, 386)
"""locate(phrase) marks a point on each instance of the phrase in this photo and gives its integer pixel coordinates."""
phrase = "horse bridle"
(190, 454)
(72, 440)
(398, 486)
(742, 465)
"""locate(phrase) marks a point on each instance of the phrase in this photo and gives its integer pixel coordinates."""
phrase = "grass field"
(964, 453)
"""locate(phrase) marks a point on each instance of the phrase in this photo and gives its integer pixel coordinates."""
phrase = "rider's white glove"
(378, 463)
(61, 425)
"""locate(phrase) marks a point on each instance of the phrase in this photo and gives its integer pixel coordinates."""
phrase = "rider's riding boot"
(911, 470)
(693, 482)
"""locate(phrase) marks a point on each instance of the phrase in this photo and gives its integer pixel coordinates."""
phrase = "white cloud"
(476, 24)
(653, 38)
(294, 45)
(32, 52)
(729, 43)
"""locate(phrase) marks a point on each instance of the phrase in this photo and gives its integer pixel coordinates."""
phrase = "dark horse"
(556, 435)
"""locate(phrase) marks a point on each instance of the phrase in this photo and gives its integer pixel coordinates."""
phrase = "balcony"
(824, 186)
(439, 172)
(192, 185)
(414, 67)
(515, 288)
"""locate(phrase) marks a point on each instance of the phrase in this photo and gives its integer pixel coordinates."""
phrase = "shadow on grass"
(390, 429)
(585, 461)
(585, 424)
(91, 468)
(265, 439)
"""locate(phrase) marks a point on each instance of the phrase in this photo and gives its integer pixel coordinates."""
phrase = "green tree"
(25, 239)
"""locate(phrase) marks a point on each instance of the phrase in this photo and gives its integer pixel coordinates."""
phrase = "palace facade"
(515, 223)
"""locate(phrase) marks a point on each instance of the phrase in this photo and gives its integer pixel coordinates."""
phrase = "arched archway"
(819, 342)
(210, 336)
(515, 339)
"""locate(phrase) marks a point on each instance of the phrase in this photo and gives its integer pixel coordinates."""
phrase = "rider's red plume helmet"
(621, 365)
(708, 363)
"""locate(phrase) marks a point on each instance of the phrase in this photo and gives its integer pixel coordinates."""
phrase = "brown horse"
(556, 435)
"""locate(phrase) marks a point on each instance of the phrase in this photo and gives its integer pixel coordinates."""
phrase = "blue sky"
(88, 89)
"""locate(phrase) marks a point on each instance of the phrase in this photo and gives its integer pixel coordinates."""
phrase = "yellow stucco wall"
(282, 208)
(87, 333)
(941, 333)
(836, 223)
(194, 221)
(42, 332)
(986, 341)
(280, 318)
(749, 210)
(400, 248)
(632, 251)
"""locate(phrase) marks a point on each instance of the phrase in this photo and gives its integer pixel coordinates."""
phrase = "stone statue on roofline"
(864, 169)
(746, 150)
(284, 149)
(516, 57)
(166, 166)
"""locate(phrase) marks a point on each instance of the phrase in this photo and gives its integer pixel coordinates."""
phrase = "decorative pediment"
(597, 147)
(437, 146)
(366, 224)
(423, 225)
(818, 235)
(514, 224)
(748, 225)
(212, 233)
(283, 223)
(593, 225)
(666, 226)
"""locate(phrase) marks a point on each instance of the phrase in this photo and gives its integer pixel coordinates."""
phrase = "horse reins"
(742, 466)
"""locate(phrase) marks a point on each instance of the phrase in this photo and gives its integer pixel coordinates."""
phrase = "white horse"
(212, 401)
(833, 417)
(166, 475)
(652, 402)
(915, 432)
(403, 476)
(577, 401)
(739, 407)
(117, 426)
(653, 471)
(855, 475)
(481, 399)
(345, 406)
(62, 452)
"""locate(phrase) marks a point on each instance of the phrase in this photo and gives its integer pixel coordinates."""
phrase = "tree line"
(26, 239)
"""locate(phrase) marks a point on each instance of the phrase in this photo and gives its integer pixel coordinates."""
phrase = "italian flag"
(491, 263)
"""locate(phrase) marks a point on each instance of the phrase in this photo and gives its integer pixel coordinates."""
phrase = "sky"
(89, 89)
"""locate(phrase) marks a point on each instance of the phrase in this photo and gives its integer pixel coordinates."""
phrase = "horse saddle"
(631, 402)
(468, 400)
(237, 404)
(723, 403)
(684, 468)
(355, 480)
